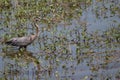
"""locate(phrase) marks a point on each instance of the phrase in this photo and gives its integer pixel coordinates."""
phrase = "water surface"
(76, 46)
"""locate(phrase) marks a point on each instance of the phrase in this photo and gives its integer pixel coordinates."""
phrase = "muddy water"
(85, 49)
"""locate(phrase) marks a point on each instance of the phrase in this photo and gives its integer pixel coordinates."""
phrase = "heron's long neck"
(37, 30)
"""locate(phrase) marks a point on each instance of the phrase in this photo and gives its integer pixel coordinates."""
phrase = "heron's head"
(36, 19)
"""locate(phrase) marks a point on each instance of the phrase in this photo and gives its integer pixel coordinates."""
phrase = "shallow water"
(86, 48)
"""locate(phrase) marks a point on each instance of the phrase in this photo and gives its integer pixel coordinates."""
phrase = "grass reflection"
(17, 64)
(66, 48)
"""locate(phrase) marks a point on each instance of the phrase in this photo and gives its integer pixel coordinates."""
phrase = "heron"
(23, 42)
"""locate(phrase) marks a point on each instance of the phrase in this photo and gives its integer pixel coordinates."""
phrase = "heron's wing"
(21, 41)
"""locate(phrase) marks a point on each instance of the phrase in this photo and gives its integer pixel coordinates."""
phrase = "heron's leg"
(25, 47)
(22, 48)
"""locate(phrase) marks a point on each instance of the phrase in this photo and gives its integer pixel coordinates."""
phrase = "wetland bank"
(79, 40)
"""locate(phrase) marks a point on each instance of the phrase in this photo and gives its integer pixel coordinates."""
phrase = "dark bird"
(23, 42)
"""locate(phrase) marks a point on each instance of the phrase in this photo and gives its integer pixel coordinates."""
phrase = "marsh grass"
(65, 50)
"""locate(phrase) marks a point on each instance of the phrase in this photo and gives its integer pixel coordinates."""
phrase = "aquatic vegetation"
(67, 47)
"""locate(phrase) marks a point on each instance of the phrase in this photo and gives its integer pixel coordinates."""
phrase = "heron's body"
(23, 41)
